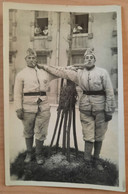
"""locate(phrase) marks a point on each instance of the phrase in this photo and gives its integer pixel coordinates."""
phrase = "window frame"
(81, 34)
(35, 23)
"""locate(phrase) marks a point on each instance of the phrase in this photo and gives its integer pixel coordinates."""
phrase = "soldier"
(96, 105)
(32, 105)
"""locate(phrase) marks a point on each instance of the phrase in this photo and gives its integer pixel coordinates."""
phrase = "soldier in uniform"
(32, 105)
(96, 105)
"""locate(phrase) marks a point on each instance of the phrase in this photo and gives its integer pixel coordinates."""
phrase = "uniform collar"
(30, 68)
(90, 68)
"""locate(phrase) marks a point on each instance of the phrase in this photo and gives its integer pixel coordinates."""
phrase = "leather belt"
(100, 92)
(35, 94)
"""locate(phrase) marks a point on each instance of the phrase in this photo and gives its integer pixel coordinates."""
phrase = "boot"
(88, 150)
(97, 149)
(39, 146)
(29, 144)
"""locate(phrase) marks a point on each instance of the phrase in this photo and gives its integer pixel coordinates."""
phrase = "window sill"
(80, 35)
(48, 38)
(40, 37)
(79, 51)
(43, 52)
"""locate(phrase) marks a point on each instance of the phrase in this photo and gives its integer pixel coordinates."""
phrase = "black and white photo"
(63, 96)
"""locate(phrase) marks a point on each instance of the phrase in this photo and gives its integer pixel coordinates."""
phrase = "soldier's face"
(31, 61)
(89, 61)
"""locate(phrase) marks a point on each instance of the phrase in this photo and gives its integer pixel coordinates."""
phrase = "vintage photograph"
(63, 96)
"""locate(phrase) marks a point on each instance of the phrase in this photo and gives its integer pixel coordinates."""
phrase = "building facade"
(49, 34)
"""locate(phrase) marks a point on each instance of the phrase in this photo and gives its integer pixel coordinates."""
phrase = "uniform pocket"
(84, 103)
(44, 106)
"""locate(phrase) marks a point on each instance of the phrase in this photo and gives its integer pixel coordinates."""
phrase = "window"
(10, 57)
(42, 59)
(41, 23)
(114, 50)
(80, 24)
(43, 55)
(77, 59)
(10, 22)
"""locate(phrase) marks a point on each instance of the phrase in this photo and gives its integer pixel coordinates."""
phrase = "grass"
(57, 169)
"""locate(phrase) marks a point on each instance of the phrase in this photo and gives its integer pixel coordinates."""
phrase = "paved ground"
(17, 143)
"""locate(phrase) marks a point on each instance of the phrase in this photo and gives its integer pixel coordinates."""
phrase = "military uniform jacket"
(96, 79)
(31, 80)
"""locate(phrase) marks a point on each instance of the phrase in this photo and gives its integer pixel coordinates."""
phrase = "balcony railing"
(41, 42)
(80, 41)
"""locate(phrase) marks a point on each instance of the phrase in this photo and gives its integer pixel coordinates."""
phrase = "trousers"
(36, 124)
(94, 126)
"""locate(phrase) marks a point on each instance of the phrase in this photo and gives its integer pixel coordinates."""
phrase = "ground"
(57, 169)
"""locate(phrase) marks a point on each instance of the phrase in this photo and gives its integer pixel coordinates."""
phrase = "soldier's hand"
(20, 114)
(71, 68)
(108, 117)
(82, 66)
(40, 66)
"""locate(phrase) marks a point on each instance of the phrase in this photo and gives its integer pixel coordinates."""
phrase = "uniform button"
(45, 81)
